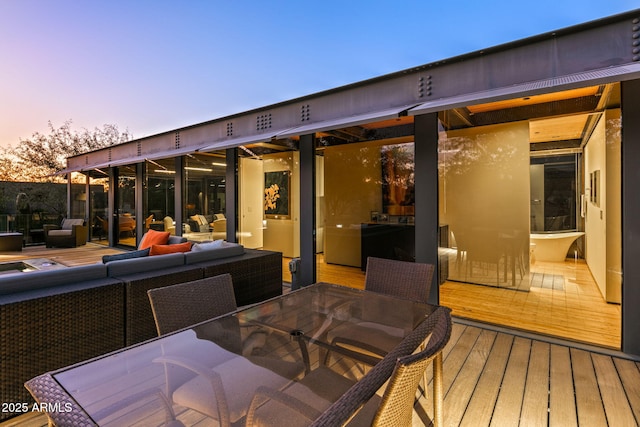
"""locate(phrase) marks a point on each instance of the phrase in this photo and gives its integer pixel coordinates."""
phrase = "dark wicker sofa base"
(50, 328)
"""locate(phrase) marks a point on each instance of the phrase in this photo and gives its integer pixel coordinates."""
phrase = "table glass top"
(214, 368)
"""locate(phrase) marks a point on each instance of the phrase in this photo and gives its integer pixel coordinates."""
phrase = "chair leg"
(438, 392)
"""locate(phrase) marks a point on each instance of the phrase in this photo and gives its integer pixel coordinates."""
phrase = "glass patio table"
(209, 372)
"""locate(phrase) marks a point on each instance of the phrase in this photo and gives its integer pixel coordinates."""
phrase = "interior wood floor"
(578, 312)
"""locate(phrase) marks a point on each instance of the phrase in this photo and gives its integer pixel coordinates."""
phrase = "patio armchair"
(169, 225)
(71, 233)
(147, 222)
(126, 224)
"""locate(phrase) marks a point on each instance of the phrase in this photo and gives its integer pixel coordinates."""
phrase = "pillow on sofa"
(197, 247)
(153, 237)
(176, 239)
(126, 255)
(170, 249)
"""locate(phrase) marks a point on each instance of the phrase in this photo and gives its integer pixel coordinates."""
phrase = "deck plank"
(485, 395)
(509, 403)
(588, 400)
(629, 372)
(562, 406)
(536, 393)
(466, 380)
(458, 355)
(614, 399)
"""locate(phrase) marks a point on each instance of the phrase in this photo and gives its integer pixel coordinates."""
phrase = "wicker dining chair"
(395, 408)
(402, 279)
(178, 306)
(186, 304)
(308, 401)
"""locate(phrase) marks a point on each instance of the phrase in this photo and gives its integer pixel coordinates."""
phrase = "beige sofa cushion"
(220, 225)
(66, 232)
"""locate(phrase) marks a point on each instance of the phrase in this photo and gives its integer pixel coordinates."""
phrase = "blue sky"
(153, 66)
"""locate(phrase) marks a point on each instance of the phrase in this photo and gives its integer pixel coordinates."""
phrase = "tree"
(39, 158)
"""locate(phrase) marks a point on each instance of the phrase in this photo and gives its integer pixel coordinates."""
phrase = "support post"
(426, 195)
(307, 210)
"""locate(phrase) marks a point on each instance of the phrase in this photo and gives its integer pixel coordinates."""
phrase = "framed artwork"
(276, 194)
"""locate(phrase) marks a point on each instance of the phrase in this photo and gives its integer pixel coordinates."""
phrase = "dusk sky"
(154, 66)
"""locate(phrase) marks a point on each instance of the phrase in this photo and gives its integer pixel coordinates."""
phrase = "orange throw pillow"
(153, 237)
(170, 249)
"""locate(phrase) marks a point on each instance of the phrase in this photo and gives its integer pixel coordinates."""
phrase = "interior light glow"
(191, 168)
(163, 171)
(219, 164)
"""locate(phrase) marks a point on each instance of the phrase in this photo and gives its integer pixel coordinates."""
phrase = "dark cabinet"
(397, 241)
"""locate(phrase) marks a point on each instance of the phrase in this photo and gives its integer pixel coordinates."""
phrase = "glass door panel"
(485, 187)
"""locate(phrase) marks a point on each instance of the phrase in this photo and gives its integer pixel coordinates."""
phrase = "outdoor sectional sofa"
(51, 319)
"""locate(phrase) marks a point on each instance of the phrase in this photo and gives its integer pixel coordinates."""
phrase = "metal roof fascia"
(243, 140)
(139, 159)
(95, 166)
(341, 122)
(572, 81)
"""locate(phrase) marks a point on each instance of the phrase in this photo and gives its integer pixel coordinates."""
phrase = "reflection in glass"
(484, 179)
(204, 197)
(126, 206)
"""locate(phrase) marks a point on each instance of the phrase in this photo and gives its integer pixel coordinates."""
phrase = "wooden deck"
(492, 376)
(86, 254)
(495, 378)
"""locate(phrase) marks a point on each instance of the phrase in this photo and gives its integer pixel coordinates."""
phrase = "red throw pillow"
(170, 249)
(153, 237)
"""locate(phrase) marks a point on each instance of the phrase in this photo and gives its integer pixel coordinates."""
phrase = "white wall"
(595, 225)
(320, 209)
(251, 202)
(602, 223)
(283, 235)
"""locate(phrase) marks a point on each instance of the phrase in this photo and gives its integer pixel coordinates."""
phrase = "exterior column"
(69, 196)
(87, 205)
(307, 210)
(630, 214)
(426, 195)
(112, 210)
(140, 207)
(178, 193)
(231, 194)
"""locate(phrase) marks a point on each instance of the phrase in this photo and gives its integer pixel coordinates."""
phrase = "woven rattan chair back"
(396, 407)
(410, 280)
(437, 328)
(178, 306)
